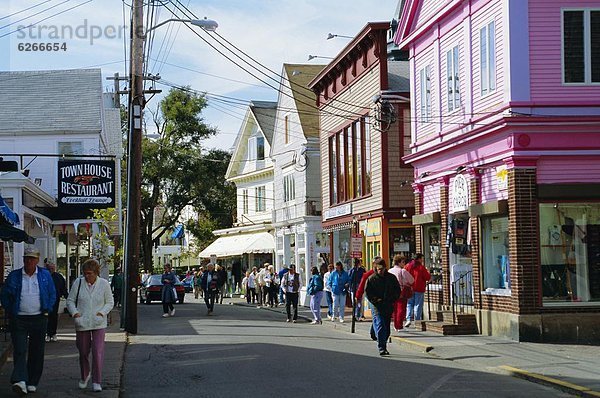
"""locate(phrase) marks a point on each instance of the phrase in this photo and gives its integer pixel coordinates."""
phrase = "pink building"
(505, 105)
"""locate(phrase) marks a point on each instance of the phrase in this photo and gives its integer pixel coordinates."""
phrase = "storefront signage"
(502, 177)
(401, 246)
(86, 183)
(374, 228)
(460, 194)
(337, 211)
(357, 244)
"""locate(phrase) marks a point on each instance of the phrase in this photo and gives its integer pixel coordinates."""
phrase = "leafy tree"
(175, 172)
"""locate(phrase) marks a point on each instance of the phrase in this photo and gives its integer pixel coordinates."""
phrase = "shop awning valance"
(10, 233)
(236, 245)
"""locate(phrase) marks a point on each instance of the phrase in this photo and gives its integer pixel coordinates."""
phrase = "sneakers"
(341, 320)
(47, 339)
(165, 315)
(20, 388)
(172, 313)
(83, 383)
(96, 387)
(31, 388)
(294, 321)
(314, 322)
(407, 324)
(287, 320)
(384, 353)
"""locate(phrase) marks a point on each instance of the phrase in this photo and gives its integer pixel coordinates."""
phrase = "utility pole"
(134, 165)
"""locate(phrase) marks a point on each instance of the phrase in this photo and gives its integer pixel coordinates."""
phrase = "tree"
(175, 172)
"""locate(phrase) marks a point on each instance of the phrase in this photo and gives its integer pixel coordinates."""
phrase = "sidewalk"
(571, 368)
(61, 364)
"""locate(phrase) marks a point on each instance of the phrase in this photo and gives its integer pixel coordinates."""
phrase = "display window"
(495, 258)
(341, 247)
(570, 252)
(433, 251)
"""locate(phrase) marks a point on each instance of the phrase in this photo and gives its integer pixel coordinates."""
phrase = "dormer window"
(256, 148)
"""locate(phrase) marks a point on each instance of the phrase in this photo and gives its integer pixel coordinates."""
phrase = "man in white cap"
(28, 296)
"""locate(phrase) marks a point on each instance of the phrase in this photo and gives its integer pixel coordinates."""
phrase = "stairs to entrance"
(444, 324)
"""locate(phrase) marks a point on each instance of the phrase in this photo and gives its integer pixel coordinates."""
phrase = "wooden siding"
(431, 198)
(489, 187)
(337, 114)
(426, 128)
(545, 23)
(399, 176)
(571, 170)
(428, 8)
(483, 104)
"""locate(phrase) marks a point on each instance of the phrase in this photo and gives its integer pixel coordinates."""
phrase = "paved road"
(243, 351)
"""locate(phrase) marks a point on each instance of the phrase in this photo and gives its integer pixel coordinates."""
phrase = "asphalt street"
(245, 351)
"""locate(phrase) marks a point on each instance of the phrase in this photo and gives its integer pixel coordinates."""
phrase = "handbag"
(406, 292)
(77, 295)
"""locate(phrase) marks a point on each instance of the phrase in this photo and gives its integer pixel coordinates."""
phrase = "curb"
(414, 344)
(565, 386)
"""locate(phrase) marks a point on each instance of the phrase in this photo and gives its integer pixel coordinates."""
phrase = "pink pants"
(94, 340)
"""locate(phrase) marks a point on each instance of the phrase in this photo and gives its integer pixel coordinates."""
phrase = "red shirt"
(421, 275)
(363, 281)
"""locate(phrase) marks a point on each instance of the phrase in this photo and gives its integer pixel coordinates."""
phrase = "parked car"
(151, 290)
(188, 283)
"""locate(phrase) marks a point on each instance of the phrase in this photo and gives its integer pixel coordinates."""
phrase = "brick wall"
(474, 189)
(419, 228)
(523, 240)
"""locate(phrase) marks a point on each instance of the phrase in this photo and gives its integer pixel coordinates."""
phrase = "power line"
(33, 15)
(25, 9)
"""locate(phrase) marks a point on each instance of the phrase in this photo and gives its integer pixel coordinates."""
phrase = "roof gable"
(298, 76)
(260, 114)
(417, 16)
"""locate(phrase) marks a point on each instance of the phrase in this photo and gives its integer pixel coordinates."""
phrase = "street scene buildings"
(457, 140)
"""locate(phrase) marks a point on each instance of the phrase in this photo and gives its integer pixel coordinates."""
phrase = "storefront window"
(322, 239)
(570, 252)
(402, 241)
(341, 247)
(432, 252)
(496, 266)
(291, 259)
(301, 267)
(301, 240)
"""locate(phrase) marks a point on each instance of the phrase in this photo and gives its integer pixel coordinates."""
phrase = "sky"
(95, 34)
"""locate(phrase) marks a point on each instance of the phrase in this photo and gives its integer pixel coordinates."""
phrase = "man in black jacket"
(61, 291)
(382, 290)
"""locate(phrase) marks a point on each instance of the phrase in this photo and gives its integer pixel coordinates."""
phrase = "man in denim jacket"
(27, 297)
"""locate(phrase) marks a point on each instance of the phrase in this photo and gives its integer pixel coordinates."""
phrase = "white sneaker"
(54, 338)
(20, 388)
(31, 388)
(172, 313)
(47, 339)
(313, 322)
(96, 387)
(406, 324)
(341, 320)
(165, 315)
(83, 383)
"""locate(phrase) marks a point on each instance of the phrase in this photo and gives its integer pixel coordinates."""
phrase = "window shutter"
(483, 61)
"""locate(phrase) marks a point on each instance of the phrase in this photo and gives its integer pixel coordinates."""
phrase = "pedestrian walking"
(355, 274)
(117, 286)
(222, 279)
(281, 273)
(60, 286)
(291, 283)
(406, 280)
(27, 297)
(197, 284)
(245, 291)
(327, 290)
(252, 285)
(272, 286)
(168, 294)
(414, 306)
(210, 285)
(339, 282)
(260, 285)
(382, 290)
(89, 303)
(315, 290)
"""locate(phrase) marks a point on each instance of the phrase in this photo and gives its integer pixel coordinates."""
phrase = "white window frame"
(452, 78)
(425, 93)
(245, 207)
(289, 188)
(251, 149)
(286, 129)
(71, 143)
(487, 58)
(261, 138)
(260, 199)
(587, 46)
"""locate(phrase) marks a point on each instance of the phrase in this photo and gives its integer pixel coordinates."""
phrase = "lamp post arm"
(166, 22)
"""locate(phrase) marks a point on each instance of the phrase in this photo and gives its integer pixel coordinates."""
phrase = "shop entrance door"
(373, 250)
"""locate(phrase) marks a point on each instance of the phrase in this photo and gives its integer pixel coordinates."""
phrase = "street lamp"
(331, 36)
(134, 161)
(311, 57)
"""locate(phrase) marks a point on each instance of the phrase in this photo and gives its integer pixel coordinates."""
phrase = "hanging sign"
(86, 183)
(460, 194)
(356, 245)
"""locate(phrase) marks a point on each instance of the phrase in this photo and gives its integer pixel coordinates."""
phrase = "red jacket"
(363, 281)
(421, 275)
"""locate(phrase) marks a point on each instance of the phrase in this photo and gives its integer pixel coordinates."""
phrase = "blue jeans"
(415, 304)
(329, 298)
(381, 325)
(28, 356)
(339, 302)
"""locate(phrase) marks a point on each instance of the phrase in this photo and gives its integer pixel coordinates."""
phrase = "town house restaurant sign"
(89, 183)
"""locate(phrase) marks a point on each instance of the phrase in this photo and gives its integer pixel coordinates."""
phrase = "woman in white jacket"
(89, 302)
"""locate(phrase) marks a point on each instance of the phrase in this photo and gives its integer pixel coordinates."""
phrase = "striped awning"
(338, 227)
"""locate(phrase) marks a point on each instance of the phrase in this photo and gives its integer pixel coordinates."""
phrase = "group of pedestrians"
(261, 286)
(30, 297)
